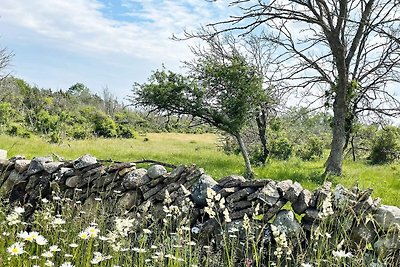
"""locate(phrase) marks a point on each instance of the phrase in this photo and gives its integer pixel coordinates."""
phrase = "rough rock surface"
(156, 171)
(387, 216)
(84, 161)
(286, 222)
(199, 191)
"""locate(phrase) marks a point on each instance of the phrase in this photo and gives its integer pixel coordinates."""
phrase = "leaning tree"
(258, 53)
(223, 92)
(344, 52)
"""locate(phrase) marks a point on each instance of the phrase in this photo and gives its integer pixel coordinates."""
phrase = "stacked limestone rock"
(85, 179)
(136, 189)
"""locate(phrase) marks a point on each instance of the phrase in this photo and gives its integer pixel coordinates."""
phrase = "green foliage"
(281, 148)
(386, 146)
(311, 149)
(16, 129)
(7, 113)
(45, 122)
(126, 131)
(104, 125)
(221, 94)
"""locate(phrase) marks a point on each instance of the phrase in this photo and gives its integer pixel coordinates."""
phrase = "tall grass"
(202, 150)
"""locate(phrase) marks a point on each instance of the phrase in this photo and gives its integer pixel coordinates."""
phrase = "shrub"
(104, 125)
(6, 113)
(281, 148)
(45, 122)
(311, 149)
(386, 146)
(126, 131)
(19, 130)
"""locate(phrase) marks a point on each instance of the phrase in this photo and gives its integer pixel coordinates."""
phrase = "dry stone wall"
(26, 182)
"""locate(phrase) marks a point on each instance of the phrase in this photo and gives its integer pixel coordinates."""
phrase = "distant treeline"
(76, 113)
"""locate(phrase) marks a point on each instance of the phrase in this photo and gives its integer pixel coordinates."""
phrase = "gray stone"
(66, 172)
(193, 173)
(293, 192)
(235, 206)
(73, 181)
(37, 165)
(105, 180)
(7, 186)
(387, 244)
(87, 180)
(177, 172)
(135, 179)
(124, 171)
(51, 167)
(5, 165)
(271, 212)
(303, 202)
(152, 192)
(255, 183)
(224, 192)
(311, 214)
(343, 196)
(286, 222)
(240, 195)
(323, 193)
(387, 216)
(3, 154)
(269, 194)
(363, 234)
(240, 214)
(128, 200)
(32, 183)
(120, 166)
(84, 161)
(21, 165)
(199, 189)
(284, 186)
(156, 181)
(231, 181)
(156, 171)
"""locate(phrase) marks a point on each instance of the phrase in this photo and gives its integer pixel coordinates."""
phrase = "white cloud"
(82, 26)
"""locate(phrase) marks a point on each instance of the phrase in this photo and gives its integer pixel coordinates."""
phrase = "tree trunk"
(249, 172)
(262, 126)
(334, 163)
(353, 149)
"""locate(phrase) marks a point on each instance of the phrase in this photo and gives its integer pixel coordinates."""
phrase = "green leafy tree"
(224, 94)
(386, 145)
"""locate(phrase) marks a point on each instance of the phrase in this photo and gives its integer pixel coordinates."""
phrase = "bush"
(126, 131)
(386, 146)
(104, 125)
(281, 148)
(46, 122)
(311, 149)
(6, 113)
(19, 130)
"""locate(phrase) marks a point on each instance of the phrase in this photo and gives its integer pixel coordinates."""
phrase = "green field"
(202, 150)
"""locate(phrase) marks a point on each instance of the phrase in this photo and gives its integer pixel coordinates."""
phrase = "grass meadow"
(201, 149)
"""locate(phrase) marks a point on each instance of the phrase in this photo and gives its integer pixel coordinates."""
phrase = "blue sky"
(100, 43)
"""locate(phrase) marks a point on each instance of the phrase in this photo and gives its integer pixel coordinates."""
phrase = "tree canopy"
(224, 94)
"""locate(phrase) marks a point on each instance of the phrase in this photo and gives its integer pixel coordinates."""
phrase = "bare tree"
(5, 58)
(344, 52)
